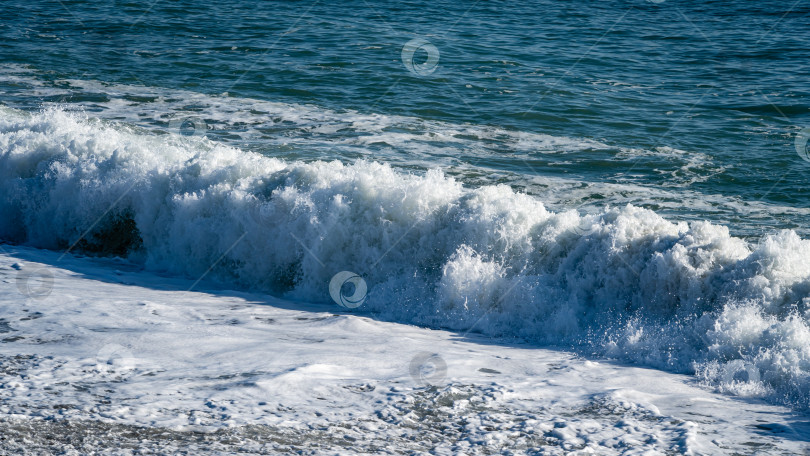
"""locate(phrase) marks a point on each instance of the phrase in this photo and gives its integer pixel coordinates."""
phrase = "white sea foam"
(473, 154)
(127, 359)
(624, 281)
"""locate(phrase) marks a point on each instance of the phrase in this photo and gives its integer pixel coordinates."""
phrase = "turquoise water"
(687, 108)
(381, 130)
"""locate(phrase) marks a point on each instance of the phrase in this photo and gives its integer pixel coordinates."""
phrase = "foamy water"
(565, 172)
(622, 281)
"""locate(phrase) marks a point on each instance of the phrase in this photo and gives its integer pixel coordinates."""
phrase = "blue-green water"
(380, 128)
(685, 107)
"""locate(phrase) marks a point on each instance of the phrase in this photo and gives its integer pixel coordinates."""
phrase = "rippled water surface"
(688, 108)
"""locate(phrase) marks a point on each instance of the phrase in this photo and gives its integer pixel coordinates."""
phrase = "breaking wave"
(623, 282)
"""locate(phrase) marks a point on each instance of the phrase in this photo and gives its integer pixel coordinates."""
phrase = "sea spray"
(623, 282)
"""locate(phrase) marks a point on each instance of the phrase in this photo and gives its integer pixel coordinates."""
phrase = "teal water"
(694, 111)
(698, 104)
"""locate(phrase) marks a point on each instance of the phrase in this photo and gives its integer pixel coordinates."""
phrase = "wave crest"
(624, 282)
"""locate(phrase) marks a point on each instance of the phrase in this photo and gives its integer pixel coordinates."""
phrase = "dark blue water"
(696, 110)
(689, 108)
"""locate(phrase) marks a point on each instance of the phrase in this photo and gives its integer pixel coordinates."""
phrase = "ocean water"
(625, 178)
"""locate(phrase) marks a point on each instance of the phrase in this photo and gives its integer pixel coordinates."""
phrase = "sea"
(625, 179)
